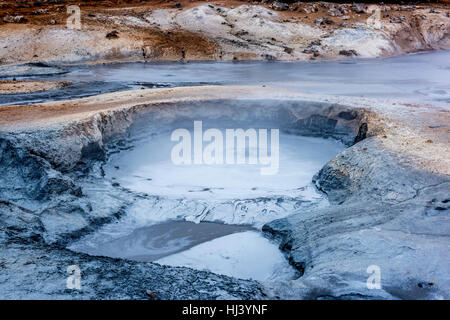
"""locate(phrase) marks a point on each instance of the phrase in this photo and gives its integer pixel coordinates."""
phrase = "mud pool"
(165, 229)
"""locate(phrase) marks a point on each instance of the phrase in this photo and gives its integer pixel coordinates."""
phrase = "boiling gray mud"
(149, 168)
(204, 216)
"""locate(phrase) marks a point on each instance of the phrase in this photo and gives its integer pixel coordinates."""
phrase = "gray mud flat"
(414, 77)
(32, 69)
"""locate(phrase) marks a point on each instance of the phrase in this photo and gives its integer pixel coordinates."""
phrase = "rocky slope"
(224, 30)
(388, 193)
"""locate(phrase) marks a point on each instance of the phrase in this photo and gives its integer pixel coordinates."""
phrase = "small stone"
(288, 50)
(305, 10)
(112, 35)
(151, 294)
(314, 7)
(15, 19)
(399, 19)
(348, 53)
(334, 12)
(279, 6)
(268, 57)
(342, 9)
(328, 21)
(39, 12)
(359, 7)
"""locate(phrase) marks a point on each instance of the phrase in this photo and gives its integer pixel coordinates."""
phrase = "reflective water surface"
(414, 77)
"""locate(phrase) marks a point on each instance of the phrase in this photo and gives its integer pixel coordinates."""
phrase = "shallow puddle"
(245, 255)
(156, 241)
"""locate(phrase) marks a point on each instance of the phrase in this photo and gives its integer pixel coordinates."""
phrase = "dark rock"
(316, 125)
(323, 21)
(399, 19)
(20, 223)
(343, 9)
(334, 12)
(288, 50)
(326, 5)
(297, 262)
(406, 8)
(112, 35)
(269, 57)
(348, 115)
(359, 7)
(280, 6)
(348, 53)
(362, 133)
(314, 7)
(151, 294)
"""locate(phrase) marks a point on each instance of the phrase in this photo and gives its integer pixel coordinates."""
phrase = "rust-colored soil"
(43, 13)
(154, 42)
(10, 86)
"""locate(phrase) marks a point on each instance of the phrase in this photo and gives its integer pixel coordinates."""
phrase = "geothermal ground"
(387, 194)
(223, 30)
(86, 177)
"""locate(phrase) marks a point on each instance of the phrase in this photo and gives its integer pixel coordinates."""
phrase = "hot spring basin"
(148, 168)
(229, 203)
